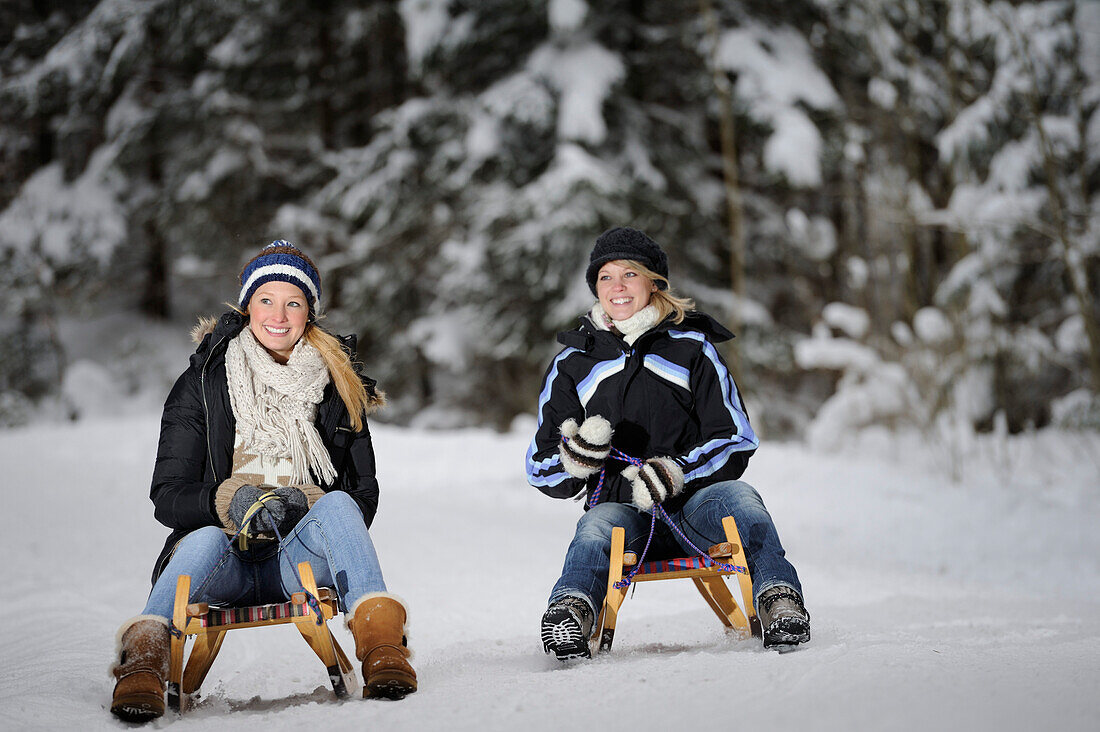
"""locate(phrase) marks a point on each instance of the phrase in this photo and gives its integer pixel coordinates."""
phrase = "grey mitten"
(295, 506)
(584, 449)
(657, 480)
(243, 498)
(272, 514)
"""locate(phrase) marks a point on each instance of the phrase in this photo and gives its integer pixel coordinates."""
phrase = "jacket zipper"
(206, 408)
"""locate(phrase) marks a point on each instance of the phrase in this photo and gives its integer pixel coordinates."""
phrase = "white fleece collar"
(632, 328)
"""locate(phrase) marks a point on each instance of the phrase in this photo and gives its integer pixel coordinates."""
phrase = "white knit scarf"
(631, 328)
(275, 404)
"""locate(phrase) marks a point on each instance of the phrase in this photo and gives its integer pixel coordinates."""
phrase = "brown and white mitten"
(658, 479)
(583, 449)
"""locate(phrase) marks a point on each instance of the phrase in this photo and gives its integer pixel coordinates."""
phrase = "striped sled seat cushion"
(677, 565)
(215, 617)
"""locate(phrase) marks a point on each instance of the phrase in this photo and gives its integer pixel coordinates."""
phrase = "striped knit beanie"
(280, 260)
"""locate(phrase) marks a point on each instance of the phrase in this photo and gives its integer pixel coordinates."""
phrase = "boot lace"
(771, 599)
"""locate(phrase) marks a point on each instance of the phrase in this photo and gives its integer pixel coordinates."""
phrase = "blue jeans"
(586, 562)
(331, 537)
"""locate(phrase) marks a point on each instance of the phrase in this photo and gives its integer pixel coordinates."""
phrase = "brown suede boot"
(377, 622)
(142, 669)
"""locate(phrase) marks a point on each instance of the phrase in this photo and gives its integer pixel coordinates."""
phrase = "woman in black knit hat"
(641, 374)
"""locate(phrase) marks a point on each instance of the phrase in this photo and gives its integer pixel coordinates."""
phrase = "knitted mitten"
(660, 478)
(583, 449)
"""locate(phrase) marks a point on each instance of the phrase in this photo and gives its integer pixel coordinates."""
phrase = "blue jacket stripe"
(554, 475)
(668, 371)
(743, 439)
(730, 398)
(546, 472)
(697, 454)
(587, 387)
(715, 463)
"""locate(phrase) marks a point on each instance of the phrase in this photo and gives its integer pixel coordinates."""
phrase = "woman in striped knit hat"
(265, 435)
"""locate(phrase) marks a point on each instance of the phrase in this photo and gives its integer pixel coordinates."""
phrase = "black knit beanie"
(622, 242)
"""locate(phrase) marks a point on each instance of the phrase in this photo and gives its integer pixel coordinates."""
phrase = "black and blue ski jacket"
(668, 395)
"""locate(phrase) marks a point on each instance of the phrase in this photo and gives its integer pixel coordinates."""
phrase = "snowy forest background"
(895, 204)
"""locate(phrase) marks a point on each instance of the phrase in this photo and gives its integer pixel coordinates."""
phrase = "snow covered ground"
(936, 604)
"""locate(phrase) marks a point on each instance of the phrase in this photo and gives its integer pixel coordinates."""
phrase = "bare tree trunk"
(728, 138)
(958, 242)
(324, 71)
(154, 294)
(154, 300)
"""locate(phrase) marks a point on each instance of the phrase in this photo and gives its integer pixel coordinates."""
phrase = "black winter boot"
(783, 617)
(566, 627)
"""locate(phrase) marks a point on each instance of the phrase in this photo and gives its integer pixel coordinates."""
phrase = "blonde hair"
(666, 301)
(344, 377)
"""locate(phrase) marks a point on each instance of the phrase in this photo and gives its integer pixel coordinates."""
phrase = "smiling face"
(622, 291)
(277, 315)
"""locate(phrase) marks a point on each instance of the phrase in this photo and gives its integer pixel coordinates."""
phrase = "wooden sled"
(708, 580)
(209, 624)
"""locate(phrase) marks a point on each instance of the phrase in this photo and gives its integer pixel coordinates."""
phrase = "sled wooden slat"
(209, 625)
(708, 581)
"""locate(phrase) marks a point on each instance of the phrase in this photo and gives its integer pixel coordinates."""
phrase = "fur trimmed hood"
(203, 328)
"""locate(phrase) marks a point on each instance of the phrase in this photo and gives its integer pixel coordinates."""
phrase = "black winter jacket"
(195, 452)
(670, 395)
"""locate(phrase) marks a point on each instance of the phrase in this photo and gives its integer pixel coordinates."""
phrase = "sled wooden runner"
(209, 624)
(707, 579)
